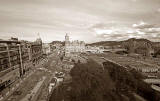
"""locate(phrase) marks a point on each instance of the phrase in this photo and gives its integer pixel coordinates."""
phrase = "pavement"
(14, 86)
(30, 96)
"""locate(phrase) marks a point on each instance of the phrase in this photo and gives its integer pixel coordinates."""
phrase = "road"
(54, 66)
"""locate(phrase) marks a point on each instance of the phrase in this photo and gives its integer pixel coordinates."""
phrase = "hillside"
(106, 43)
(111, 43)
(131, 44)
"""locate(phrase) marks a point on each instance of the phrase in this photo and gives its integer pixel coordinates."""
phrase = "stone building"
(94, 49)
(10, 64)
(14, 61)
(73, 47)
(46, 48)
(36, 51)
(16, 58)
(56, 46)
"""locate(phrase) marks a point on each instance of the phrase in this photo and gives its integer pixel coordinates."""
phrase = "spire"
(66, 38)
(66, 34)
(38, 36)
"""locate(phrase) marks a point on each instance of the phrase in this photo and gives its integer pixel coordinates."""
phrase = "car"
(53, 81)
(59, 74)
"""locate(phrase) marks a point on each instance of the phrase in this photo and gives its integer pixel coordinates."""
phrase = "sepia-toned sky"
(88, 20)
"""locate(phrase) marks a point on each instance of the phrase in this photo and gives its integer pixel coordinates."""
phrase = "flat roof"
(8, 41)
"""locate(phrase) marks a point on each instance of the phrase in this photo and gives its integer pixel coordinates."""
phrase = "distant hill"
(106, 43)
(133, 42)
(111, 43)
(132, 45)
(57, 42)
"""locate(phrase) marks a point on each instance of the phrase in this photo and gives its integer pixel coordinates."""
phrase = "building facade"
(10, 65)
(36, 51)
(73, 47)
(46, 48)
(94, 49)
(16, 58)
(56, 46)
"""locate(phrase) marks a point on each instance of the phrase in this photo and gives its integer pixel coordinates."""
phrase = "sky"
(86, 20)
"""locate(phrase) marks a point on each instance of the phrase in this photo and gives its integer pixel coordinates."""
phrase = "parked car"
(52, 84)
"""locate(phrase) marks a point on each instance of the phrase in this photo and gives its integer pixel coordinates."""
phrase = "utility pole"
(9, 58)
(20, 54)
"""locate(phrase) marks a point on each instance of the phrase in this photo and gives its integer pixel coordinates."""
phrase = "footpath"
(24, 85)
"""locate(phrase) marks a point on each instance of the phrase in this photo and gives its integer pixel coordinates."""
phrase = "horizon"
(90, 21)
(81, 40)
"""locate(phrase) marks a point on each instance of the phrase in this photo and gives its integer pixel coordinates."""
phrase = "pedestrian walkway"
(31, 96)
(15, 86)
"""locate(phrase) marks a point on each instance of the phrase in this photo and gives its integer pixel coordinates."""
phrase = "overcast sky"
(88, 20)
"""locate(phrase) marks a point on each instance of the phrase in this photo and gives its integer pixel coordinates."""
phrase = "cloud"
(102, 31)
(140, 30)
(105, 25)
(158, 10)
(148, 31)
(108, 19)
(114, 33)
(142, 25)
(152, 30)
(134, 0)
(145, 28)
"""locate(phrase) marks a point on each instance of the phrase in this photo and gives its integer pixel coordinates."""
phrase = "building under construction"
(16, 58)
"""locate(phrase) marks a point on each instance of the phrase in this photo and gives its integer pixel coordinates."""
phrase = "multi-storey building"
(94, 49)
(25, 53)
(56, 45)
(16, 58)
(74, 46)
(10, 62)
(36, 51)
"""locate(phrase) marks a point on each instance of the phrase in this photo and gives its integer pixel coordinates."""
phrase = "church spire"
(66, 34)
(66, 38)
(38, 36)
